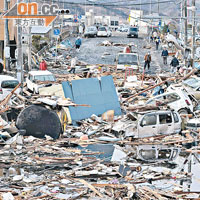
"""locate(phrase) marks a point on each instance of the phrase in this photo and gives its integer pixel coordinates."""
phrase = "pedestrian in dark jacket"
(174, 64)
(78, 43)
(147, 60)
(157, 42)
(165, 55)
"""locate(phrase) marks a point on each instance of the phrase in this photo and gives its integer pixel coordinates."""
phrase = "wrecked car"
(154, 123)
(39, 76)
(7, 84)
(192, 85)
(176, 99)
(128, 60)
(154, 153)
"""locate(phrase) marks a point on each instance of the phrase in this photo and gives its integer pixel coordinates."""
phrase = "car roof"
(6, 77)
(193, 77)
(155, 112)
(160, 95)
(135, 53)
(40, 72)
(91, 27)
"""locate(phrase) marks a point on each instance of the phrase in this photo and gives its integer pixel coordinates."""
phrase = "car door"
(165, 123)
(29, 82)
(147, 126)
(177, 122)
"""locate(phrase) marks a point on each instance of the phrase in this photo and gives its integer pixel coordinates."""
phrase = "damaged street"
(100, 103)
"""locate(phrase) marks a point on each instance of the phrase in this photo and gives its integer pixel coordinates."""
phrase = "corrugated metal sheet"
(99, 94)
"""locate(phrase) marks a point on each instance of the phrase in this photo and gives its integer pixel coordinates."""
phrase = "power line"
(116, 5)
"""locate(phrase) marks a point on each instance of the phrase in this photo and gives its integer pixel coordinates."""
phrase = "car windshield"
(192, 82)
(102, 29)
(9, 84)
(44, 78)
(91, 29)
(128, 59)
(133, 29)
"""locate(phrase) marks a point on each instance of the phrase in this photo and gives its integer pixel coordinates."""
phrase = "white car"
(7, 84)
(192, 85)
(154, 123)
(128, 60)
(176, 99)
(104, 32)
(39, 76)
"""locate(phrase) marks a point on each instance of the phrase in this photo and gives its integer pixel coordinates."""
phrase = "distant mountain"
(172, 9)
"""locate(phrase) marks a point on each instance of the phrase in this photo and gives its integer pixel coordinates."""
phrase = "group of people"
(156, 37)
(174, 62)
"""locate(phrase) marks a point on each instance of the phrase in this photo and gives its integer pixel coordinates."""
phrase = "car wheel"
(183, 111)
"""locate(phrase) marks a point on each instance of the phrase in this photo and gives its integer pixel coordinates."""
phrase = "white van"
(39, 76)
(154, 123)
(7, 84)
(127, 60)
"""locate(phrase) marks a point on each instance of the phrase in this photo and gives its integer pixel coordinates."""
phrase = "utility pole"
(29, 47)
(20, 73)
(6, 36)
(181, 21)
(150, 7)
(158, 6)
(186, 24)
(193, 29)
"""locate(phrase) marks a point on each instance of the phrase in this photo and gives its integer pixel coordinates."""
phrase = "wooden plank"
(91, 187)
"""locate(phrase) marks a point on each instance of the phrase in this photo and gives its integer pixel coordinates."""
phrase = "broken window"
(9, 84)
(164, 154)
(30, 78)
(172, 97)
(149, 120)
(165, 118)
(176, 120)
(149, 154)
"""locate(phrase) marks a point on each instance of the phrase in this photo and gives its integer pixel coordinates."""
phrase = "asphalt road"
(92, 53)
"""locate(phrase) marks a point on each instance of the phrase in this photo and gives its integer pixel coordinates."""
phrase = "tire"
(183, 111)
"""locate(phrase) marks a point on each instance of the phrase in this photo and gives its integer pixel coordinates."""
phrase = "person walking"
(78, 43)
(43, 65)
(73, 65)
(155, 35)
(147, 59)
(174, 64)
(157, 42)
(127, 49)
(165, 55)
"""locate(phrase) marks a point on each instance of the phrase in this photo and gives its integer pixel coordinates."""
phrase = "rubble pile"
(101, 133)
(105, 156)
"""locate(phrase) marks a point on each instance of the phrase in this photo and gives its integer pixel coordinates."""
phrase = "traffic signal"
(64, 12)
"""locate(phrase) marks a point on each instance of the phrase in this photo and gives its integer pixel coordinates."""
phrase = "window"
(112, 23)
(149, 120)
(30, 77)
(172, 97)
(164, 153)
(176, 120)
(44, 78)
(149, 154)
(157, 100)
(102, 29)
(116, 23)
(127, 59)
(133, 29)
(165, 118)
(9, 84)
